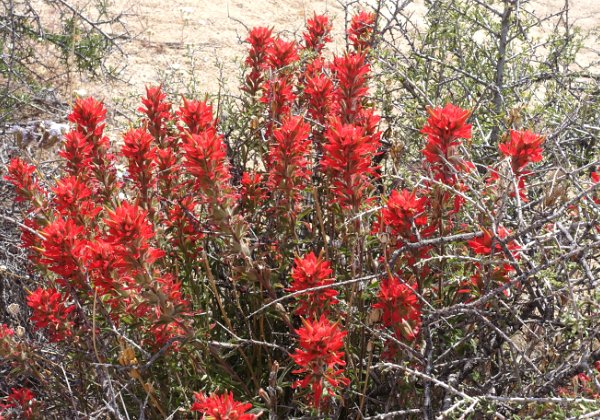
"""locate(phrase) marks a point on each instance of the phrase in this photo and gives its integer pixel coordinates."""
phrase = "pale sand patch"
(166, 34)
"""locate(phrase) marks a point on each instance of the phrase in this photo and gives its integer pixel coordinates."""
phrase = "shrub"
(275, 261)
(39, 57)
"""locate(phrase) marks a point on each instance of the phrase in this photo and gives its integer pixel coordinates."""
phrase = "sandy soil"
(170, 36)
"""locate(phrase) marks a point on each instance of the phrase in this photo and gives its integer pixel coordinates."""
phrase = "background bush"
(39, 56)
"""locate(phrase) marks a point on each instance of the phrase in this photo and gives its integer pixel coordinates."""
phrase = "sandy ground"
(168, 37)
(172, 36)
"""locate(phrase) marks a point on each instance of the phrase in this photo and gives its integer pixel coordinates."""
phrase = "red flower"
(278, 96)
(308, 272)
(260, 40)
(401, 308)
(347, 160)
(475, 286)
(157, 110)
(51, 312)
(483, 245)
(445, 126)
(6, 331)
(138, 148)
(252, 192)
(317, 32)
(168, 169)
(73, 199)
(206, 159)
(221, 407)
(20, 174)
(196, 115)
(7, 344)
(319, 92)
(184, 233)
(523, 147)
(596, 179)
(166, 316)
(281, 54)
(89, 115)
(403, 210)
(31, 241)
(23, 399)
(63, 247)
(130, 232)
(78, 153)
(351, 72)
(289, 169)
(488, 244)
(128, 226)
(104, 265)
(320, 358)
(361, 30)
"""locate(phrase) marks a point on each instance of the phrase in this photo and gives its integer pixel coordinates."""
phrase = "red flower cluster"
(89, 149)
(89, 115)
(444, 129)
(319, 93)
(483, 245)
(6, 341)
(488, 244)
(281, 54)
(196, 116)
(320, 358)
(288, 166)
(206, 159)
(63, 247)
(50, 311)
(138, 148)
(361, 30)
(77, 151)
(523, 147)
(130, 233)
(21, 399)
(73, 199)
(157, 111)
(221, 407)
(351, 71)
(404, 212)
(317, 33)
(252, 192)
(20, 174)
(583, 384)
(335, 96)
(401, 308)
(279, 98)
(596, 179)
(347, 159)
(308, 272)
(260, 41)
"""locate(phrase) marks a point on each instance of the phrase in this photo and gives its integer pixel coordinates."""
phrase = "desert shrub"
(277, 260)
(39, 56)
(514, 67)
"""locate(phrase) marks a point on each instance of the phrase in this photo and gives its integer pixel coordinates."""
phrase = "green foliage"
(35, 56)
(499, 58)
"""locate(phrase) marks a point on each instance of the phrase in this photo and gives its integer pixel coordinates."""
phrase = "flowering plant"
(277, 261)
